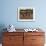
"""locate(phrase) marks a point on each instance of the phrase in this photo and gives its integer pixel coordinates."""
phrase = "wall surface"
(8, 13)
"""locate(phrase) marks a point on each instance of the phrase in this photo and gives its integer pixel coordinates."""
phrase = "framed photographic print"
(26, 14)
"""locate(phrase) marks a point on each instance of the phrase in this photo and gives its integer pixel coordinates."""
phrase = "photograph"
(26, 14)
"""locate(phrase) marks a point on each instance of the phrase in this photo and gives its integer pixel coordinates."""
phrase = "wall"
(9, 13)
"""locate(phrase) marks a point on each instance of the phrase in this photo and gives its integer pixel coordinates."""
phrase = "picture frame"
(26, 14)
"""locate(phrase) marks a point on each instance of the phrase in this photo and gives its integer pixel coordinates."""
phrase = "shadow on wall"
(2, 26)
